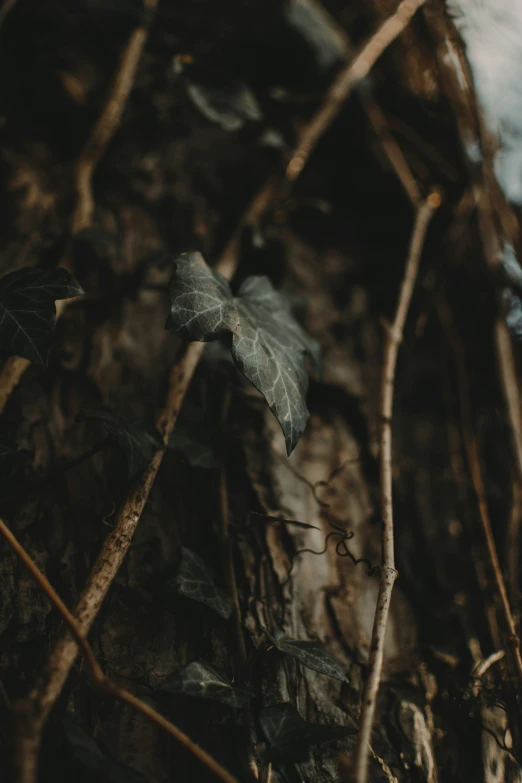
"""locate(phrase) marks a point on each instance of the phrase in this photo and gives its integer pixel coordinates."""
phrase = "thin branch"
(391, 148)
(95, 670)
(388, 571)
(107, 124)
(344, 83)
(375, 114)
(95, 146)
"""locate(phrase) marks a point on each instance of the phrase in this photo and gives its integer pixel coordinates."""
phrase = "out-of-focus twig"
(343, 84)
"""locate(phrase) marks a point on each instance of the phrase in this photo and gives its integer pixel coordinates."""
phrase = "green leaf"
(28, 312)
(290, 737)
(206, 682)
(268, 345)
(310, 654)
(138, 443)
(195, 580)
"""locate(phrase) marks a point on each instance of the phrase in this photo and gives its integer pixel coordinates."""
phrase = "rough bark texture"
(173, 179)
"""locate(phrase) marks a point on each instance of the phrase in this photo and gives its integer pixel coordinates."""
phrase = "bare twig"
(375, 115)
(345, 82)
(88, 159)
(106, 125)
(391, 148)
(96, 672)
(388, 571)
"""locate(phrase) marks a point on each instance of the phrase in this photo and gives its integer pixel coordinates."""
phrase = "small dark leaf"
(310, 654)
(290, 737)
(138, 444)
(268, 345)
(194, 580)
(206, 682)
(28, 312)
(192, 440)
(228, 105)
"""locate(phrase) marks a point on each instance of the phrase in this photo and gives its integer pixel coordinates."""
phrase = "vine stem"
(96, 672)
(389, 574)
(344, 83)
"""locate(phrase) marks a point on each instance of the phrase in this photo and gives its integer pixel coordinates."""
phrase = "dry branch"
(388, 572)
(97, 674)
(107, 124)
(346, 80)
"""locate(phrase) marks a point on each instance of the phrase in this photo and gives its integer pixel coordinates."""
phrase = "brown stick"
(345, 82)
(95, 670)
(388, 571)
(376, 117)
(106, 125)
(392, 149)
(88, 159)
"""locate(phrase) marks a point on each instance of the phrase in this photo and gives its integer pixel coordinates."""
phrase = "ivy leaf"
(310, 654)
(195, 580)
(205, 682)
(28, 312)
(290, 737)
(268, 345)
(138, 443)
